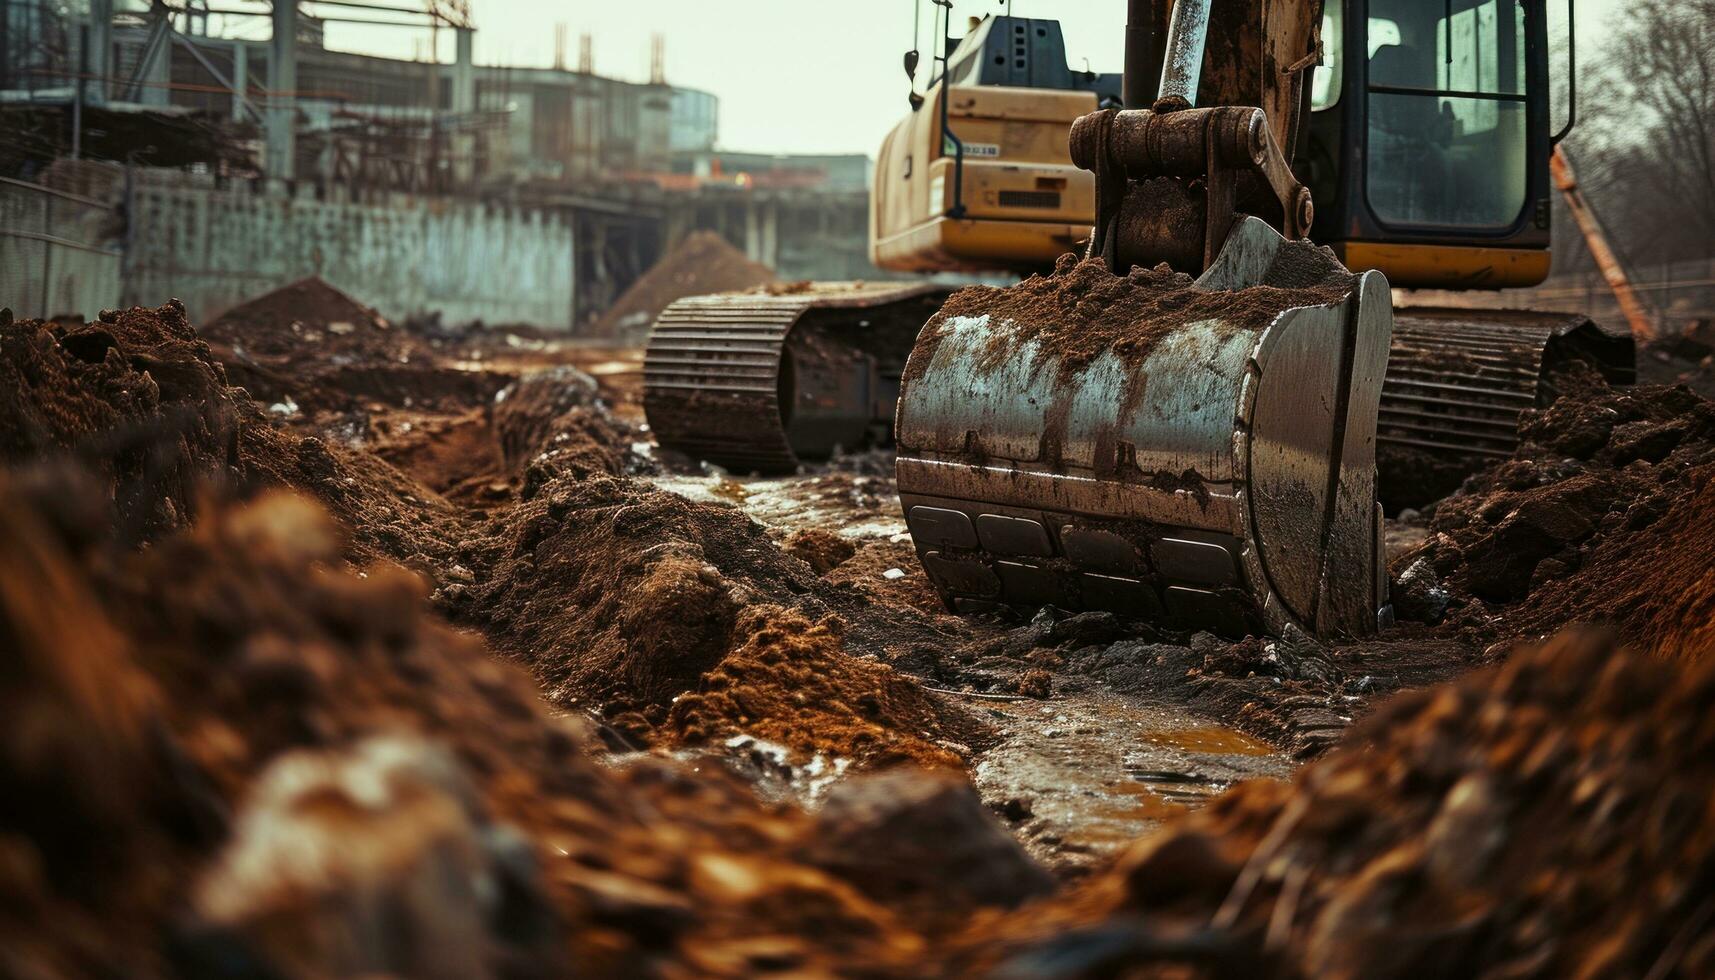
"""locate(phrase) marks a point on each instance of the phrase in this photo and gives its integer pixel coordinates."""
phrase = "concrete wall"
(214, 248)
(56, 253)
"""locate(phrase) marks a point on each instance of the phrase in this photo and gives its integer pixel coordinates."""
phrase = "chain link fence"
(59, 253)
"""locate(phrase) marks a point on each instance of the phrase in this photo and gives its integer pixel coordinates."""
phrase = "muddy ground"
(342, 646)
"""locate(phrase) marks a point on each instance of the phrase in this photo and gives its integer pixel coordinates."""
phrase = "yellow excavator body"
(1015, 202)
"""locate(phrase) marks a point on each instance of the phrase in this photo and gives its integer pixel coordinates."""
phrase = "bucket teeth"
(1202, 453)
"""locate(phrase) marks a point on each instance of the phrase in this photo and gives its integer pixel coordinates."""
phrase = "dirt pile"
(703, 263)
(1546, 818)
(309, 348)
(1080, 310)
(552, 423)
(387, 514)
(821, 549)
(306, 315)
(135, 396)
(623, 598)
(224, 754)
(1590, 522)
(792, 683)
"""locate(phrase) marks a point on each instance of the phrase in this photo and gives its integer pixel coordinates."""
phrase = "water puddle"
(1098, 770)
(839, 502)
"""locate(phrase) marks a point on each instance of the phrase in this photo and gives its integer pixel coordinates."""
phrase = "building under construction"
(199, 121)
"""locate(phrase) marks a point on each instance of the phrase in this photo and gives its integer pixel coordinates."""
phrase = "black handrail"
(958, 208)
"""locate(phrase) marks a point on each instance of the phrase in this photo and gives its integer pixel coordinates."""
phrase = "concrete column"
(282, 89)
(464, 71)
(240, 78)
(752, 231)
(100, 51)
(771, 236)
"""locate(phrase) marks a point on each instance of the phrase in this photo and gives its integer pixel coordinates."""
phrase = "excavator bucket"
(1199, 452)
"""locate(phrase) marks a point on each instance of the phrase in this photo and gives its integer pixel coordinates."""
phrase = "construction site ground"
(341, 646)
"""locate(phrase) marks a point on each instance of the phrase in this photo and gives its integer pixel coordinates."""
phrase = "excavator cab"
(1428, 140)
(1427, 153)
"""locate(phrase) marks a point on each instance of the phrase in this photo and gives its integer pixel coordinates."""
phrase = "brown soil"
(134, 396)
(454, 456)
(260, 745)
(550, 423)
(386, 513)
(309, 315)
(866, 573)
(1544, 818)
(625, 598)
(284, 684)
(1590, 522)
(703, 263)
(1080, 310)
(223, 751)
(792, 683)
(330, 363)
(822, 550)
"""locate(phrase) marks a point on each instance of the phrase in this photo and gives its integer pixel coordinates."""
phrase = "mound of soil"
(821, 549)
(223, 754)
(311, 349)
(866, 571)
(311, 320)
(1590, 522)
(1546, 818)
(387, 514)
(625, 598)
(793, 684)
(551, 423)
(135, 396)
(701, 264)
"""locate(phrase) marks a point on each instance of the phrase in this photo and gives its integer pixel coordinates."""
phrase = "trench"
(1076, 777)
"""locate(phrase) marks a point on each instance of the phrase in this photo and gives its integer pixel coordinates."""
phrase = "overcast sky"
(793, 76)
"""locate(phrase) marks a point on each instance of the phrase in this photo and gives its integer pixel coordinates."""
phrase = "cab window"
(1446, 98)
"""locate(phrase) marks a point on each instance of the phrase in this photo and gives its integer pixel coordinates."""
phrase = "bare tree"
(1645, 143)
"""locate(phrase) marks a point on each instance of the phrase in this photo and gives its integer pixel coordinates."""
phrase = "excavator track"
(1458, 381)
(760, 381)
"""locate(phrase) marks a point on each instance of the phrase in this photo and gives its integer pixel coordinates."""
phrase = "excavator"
(1183, 424)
